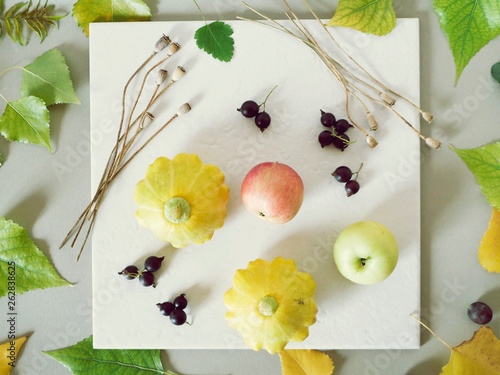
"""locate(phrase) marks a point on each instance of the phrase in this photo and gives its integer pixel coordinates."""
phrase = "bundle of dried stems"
(359, 86)
(129, 130)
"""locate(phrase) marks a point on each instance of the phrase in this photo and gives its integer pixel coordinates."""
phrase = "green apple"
(366, 252)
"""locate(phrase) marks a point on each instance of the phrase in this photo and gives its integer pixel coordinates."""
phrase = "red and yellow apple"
(273, 191)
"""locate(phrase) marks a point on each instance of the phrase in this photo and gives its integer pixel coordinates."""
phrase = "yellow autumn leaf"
(305, 362)
(477, 356)
(8, 354)
(489, 249)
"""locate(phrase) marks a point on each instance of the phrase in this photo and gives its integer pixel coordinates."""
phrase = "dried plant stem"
(348, 80)
(381, 84)
(123, 108)
(129, 123)
(431, 331)
(118, 158)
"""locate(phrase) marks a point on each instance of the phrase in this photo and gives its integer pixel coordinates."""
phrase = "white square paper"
(350, 316)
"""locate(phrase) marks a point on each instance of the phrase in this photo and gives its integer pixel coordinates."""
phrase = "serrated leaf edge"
(204, 47)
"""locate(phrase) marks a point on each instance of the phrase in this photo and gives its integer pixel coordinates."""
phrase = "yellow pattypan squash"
(271, 303)
(182, 201)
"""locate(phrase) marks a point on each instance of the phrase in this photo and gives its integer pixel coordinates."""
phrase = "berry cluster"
(250, 109)
(344, 174)
(480, 313)
(336, 134)
(175, 310)
(146, 276)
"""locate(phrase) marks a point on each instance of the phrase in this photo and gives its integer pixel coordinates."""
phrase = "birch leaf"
(484, 163)
(477, 356)
(48, 79)
(369, 16)
(27, 120)
(468, 25)
(7, 351)
(87, 11)
(305, 362)
(32, 268)
(83, 359)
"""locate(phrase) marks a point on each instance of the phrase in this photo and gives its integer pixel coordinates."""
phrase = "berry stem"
(343, 140)
(201, 12)
(357, 172)
(267, 97)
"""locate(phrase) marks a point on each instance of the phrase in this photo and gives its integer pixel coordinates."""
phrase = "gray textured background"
(454, 213)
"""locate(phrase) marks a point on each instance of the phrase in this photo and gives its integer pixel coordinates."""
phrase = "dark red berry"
(147, 278)
(130, 272)
(262, 120)
(325, 138)
(341, 141)
(180, 302)
(249, 109)
(327, 119)
(342, 126)
(342, 174)
(480, 313)
(178, 317)
(166, 308)
(153, 263)
(351, 187)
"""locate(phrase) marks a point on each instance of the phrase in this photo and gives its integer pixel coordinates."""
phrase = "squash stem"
(268, 305)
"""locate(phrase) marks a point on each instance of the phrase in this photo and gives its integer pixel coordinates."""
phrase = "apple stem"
(363, 261)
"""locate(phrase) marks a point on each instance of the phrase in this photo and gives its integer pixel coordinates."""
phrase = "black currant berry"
(341, 141)
(249, 109)
(166, 308)
(342, 174)
(178, 317)
(341, 126)
(351, 187)
(480, 313)
(263, 120)
(327, 119)
(180, 302)
(153, 263)
(325, 138)
(147, 278)
(130, 272)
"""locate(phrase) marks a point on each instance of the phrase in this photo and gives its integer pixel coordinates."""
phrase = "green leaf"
(39, 19)
(26, 120)
(369, 16)
(215, 39)
(87, 11)
(484, 163)
(468, 25)
(48, 79)
(83, 359)
(23, 261)
(1, 12)
(495, 71)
